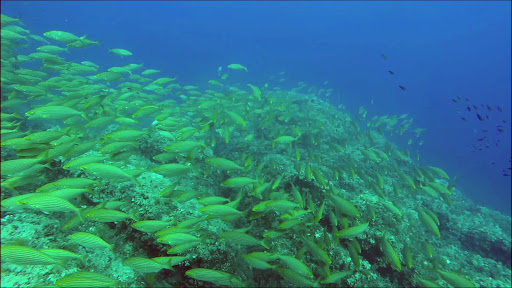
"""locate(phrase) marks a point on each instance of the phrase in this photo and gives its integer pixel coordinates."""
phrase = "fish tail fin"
(80, 214)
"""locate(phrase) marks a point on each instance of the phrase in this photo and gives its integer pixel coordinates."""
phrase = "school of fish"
(229, 184)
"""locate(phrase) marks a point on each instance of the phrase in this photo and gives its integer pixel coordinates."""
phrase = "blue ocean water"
(438, 50)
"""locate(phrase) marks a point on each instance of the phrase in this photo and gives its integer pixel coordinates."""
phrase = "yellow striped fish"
(90, 241)
(21, 255)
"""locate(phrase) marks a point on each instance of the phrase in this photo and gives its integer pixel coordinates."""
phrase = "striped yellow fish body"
(183, 146)
(344, 207)
(21, 255)
(189, 223)
(242, 239)
(408, 180)
(53, 113)
(106, 215)
(257, 263)
(407, 255)
(440, 172)
(212, 200)
(317, 252)
(428, 249)
(12, 167)
(145, 111)
(216, 277)
(124, 135)
(220, 211)
(427, 284)
(145, 265)
(48, 203)
(20, 143)
(430, 191)
(108, 172)
(67, 193)
(90, 241)
(236, 66)
(172, 170)
(352, 232)
(391, 208)
(380, 181)
(223, 164)
(182, 248)
(431, 214)
(76, 163)
(117, 146)
(61, 254)
(275, 205)
(455, 279)
(178, 238)
(295, 278)
(296, 265)
(354, 256)
(150, 226)
(170, 260)
(439, 188)
(61, 149)
(12, 204)
(284, 139)
(67, 183)
(335, 277)
(86, 279)
(429, 223)
(61, 36)
(100, 121)
(238, 182)
(236, 118)
(256, 92)
(44, 136)
(120, 52)
(149, 72)
(391, 255)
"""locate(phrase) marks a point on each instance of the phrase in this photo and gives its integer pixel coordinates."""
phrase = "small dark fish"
(463, 118)
(479, 117)
(454, 100)
(504, 121)
(469, 108)
(489, 107)
(459, 98)
(391, 72)
(485, 130)
(482, 105)
(505, 174)
(499, 108)
(501, 130)
(481, 139)
(493, 163)
(476, 107)
(467, 99)
(384, 56)
(402, 87)
(487, 117)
